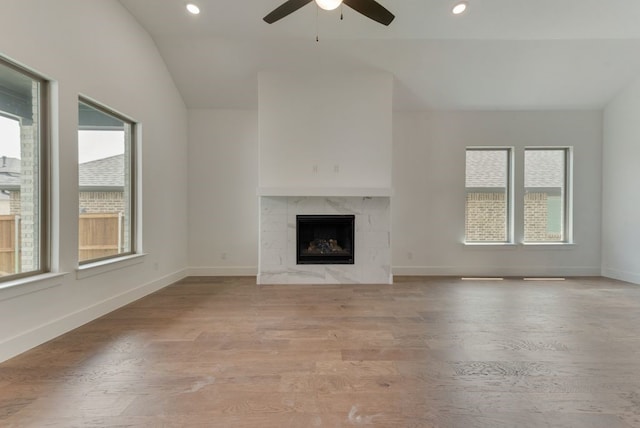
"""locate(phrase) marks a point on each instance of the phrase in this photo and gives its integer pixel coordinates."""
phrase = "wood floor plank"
(423, 352)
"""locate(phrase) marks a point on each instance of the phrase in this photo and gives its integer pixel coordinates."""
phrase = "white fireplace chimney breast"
(325, 130)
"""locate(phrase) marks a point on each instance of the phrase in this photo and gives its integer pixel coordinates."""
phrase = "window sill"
(31, 284)
(532, 245)
(549, 245)
(103, 266)
(490, 244)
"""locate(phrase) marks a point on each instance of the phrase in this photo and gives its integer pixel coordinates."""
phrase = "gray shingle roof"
(488, 168)
(545, 168)
(107, 173)
(9, 172)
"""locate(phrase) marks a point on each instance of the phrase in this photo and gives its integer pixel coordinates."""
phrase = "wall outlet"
(336, 168)
(223, 256)
(315, 169)
(409, 255)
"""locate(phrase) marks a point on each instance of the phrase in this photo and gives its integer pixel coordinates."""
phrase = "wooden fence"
(100, 235)
(9, 248)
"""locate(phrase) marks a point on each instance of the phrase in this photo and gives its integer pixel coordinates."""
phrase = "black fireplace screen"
(325, 239)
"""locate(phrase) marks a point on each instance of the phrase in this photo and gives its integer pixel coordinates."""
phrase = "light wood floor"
(425, 352)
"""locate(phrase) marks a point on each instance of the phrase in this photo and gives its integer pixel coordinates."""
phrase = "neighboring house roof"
(100, 174)
(487, 168)
(9, 173)
(547, 168)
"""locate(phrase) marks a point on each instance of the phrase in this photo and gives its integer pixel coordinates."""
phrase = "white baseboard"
(427, 271)
(24, 341)
(223, 271)
(494, 271)
(632, 277)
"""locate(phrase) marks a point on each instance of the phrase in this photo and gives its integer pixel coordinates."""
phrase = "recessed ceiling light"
(459, 7)
(193, 9)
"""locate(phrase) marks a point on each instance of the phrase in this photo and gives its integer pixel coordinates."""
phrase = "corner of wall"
(24, 341)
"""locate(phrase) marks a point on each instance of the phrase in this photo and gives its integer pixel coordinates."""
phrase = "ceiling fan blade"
(285, 9)
(371, 9)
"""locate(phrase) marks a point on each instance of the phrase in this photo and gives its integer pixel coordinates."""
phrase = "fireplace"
(282, 239)
(325, 239)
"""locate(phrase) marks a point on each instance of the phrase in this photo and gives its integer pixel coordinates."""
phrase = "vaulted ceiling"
(500, 54)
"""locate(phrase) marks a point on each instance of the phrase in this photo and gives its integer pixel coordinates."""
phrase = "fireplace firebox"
(325, 239)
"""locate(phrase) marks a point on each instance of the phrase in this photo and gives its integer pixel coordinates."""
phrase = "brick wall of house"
(30, 203)
(535, 217)
(14, 203)
(485, 217)
(101, 202)
(90, 202)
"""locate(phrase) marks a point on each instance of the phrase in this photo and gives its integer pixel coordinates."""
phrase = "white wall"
(95, 48)
(621, 175)
(429, 202)
(223, 206)
(325, 130)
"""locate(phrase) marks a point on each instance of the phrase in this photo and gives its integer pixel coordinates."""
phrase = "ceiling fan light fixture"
(328, 4)
(193, 8)
(369, 8)
(459, 7)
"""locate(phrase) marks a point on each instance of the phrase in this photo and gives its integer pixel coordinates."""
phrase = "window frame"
(44, 168)
(133, 180)
(567, 203)
(509, 194)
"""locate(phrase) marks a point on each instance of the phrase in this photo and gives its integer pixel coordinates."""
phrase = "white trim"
(31, 284)
(137, 193)
(222, 270)
(326, 191)
(54, 177)
(569, 196)
(518, 271)
(549, 245)
(567, 208)
(633, 277)
(490, 244)
(26, 340)
(100, 267)
(528, 245)
(509, 189)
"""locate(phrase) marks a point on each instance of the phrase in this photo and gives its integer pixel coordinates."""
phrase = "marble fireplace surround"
(277, 242)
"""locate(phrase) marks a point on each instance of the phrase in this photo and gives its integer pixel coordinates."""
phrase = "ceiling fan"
(369, 8)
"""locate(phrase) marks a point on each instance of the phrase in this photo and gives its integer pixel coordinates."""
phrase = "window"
(545, 194)
(488, 193)
(106, 183)
(23, 173)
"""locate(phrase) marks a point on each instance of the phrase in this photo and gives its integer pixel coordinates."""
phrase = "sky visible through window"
(9, 137)
(92, 144)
